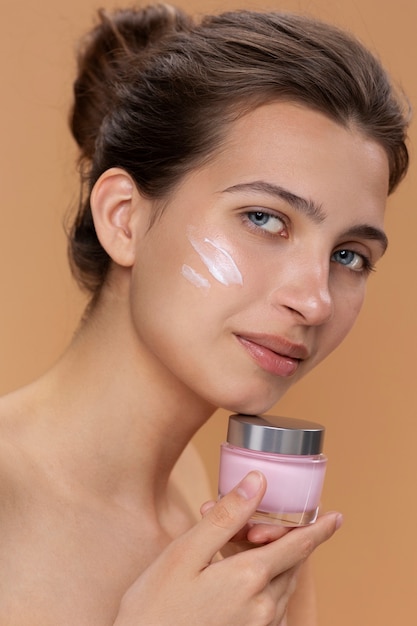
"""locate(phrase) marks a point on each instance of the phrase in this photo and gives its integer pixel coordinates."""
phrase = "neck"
(119, 420)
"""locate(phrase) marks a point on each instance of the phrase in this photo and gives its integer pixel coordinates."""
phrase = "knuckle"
(306, 547)
(255, 573)
(266, 609)
(262, 573)
(221, 516)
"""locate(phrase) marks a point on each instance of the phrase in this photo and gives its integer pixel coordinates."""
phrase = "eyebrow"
(308, 207)
(311, 209)
(364, 231)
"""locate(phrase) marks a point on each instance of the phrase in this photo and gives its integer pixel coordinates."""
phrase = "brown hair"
(155, 93)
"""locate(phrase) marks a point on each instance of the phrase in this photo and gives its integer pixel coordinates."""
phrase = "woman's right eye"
(268, 222)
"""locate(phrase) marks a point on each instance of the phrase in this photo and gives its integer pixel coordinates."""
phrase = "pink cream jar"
(288, 452)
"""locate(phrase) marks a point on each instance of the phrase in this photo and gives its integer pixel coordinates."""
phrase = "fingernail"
(250, 485)
(338, 517)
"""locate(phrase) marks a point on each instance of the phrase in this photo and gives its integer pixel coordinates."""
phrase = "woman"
(236, 173)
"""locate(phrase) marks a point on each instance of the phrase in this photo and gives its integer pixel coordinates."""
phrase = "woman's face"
(257, 267)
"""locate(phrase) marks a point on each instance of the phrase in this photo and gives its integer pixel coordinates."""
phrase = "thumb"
(225, 519)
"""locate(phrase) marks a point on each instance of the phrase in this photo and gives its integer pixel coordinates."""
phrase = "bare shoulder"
(50, 550)
(17, 475)
(12, 464)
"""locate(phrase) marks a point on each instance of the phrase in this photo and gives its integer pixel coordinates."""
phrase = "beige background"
(365, 394)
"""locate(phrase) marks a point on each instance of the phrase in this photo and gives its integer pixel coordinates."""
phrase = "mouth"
(275, 355)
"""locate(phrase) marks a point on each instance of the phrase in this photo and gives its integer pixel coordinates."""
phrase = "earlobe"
(113, 201)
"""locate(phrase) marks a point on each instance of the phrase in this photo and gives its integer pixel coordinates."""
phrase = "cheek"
(346, 313)
(215, 262)
(196, 279)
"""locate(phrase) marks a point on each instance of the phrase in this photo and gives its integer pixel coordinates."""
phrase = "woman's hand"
(184, 586)
(251, 535)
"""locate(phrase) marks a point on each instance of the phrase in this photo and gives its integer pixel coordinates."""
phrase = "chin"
(253, 404)
(252, 394)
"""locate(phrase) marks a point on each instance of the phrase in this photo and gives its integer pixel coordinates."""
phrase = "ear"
(116, 208)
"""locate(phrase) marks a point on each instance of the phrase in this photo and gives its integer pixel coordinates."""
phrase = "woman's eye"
(353, 260)
(268, 222)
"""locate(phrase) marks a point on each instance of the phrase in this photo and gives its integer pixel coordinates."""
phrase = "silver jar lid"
(279, 435)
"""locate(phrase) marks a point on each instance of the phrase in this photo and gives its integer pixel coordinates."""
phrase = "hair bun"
(102, 57)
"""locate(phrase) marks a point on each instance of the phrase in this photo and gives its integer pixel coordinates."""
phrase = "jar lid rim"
(276, 434)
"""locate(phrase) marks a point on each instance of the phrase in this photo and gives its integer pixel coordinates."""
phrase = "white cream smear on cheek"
(194, 277)
(218, 261)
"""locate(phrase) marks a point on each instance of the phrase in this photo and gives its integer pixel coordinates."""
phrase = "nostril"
(313, 308)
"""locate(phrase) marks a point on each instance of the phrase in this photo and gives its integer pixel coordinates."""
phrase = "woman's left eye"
(268, 222)
(353, 260)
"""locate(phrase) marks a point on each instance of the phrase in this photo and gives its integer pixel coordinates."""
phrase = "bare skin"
(251, 588)
(91, 501)
(79, 542)
(74, 550)
(73, 537)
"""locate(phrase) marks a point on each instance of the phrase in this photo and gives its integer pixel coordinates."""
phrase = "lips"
(275, 355)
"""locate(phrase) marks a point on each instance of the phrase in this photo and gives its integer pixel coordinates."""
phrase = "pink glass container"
(288, 452)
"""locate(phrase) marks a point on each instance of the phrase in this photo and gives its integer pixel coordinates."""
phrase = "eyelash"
(366, 269)
(270, 216)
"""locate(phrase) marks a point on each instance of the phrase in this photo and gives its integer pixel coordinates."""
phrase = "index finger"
(225, 519)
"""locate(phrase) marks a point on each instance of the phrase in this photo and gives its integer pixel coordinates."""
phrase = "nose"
(305, 293)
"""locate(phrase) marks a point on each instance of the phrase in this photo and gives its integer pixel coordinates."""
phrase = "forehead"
(278, 128)
(315, 157)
